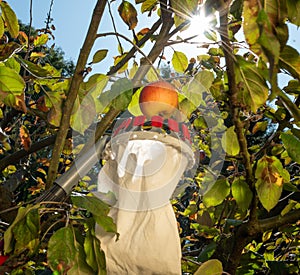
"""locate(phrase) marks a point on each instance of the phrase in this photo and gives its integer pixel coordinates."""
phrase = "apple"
(158, 98)
(3, 259)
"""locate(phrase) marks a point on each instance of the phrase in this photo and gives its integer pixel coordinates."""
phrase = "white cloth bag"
(143, 175)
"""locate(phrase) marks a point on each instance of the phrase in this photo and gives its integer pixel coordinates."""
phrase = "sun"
(201, 27)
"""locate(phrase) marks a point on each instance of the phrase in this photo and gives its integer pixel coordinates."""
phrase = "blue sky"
(72, 17)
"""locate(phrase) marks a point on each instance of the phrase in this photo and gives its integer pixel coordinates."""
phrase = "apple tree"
(238, 210)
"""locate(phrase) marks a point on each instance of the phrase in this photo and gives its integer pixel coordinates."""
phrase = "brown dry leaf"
(25, 138)
(129, 14)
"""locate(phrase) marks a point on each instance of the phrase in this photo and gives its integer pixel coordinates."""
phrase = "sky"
(71, 19)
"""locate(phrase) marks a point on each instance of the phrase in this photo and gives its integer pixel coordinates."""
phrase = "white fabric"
(143, 175)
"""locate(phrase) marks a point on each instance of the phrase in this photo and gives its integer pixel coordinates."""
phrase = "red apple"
(3, 259)
(158, 98)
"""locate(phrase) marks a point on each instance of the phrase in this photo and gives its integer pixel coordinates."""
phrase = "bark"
(73, 90)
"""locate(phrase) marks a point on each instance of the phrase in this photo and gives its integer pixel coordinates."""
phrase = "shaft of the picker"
(63, 185)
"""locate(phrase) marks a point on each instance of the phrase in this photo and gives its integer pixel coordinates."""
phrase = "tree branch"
(154, 53)
(277, 221)
(17, 156)
(133, 50)
(73, 90)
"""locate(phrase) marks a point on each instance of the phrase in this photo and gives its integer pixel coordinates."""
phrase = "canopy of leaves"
(237, 209)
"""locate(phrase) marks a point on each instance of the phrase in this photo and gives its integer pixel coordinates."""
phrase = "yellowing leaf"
(41, 40)
(134, 106)
(10, 19)
(148, 5)
(55, 100)
(270, 176)
(1, 28)
(25, 137)
(210, 267)
(260, 126)
(250, 27)
(118, 59)
(179, 61)
(99, 56)
(128, 14)
(11, 81)
(251, 81)
(230, 142)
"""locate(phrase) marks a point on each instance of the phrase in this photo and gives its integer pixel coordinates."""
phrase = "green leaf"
(217, 193)
(99, 56)
(99, 209)
(66, 254)
(268, 193)
(152, 75)
(267, 39)
(1, 27)
(134, 106)
(290, 206)
(26, 232)
(184, 8)
(290, 60)
(200, 83)
(11, 81)
(94, 255)
(10, 19)
(293, 8)
(83, 114)
(179, 61)
(128, 14)
(148, 5)
(230, 142)
(207, 252)
(94, 87)
(41, 40)
(54, 99)
(121, 93)
(9, 234)
(91, 204)
(13, 64)
(34, 69)
(117, 60)
(251, 81)
(210, 267)
(250, 27)
(292, 145)
(241, 193)
(293, 87)
(133, 70)
(191, 209)
(211, 35)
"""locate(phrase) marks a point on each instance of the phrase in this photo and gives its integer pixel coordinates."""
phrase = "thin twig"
(114, 27)
(133, 44)
(190, 260)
